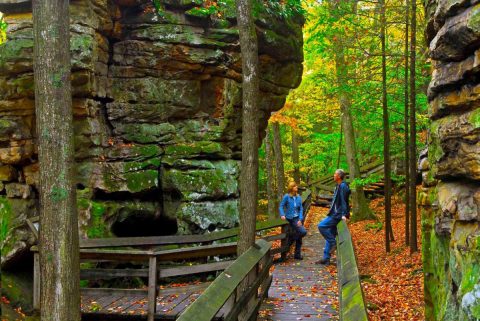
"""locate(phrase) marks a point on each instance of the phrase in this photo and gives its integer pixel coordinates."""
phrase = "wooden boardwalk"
(302, 290)
(118, 307)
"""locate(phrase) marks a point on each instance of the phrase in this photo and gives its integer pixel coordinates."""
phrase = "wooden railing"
(149, 252)
(100, 250)
(352, 303)
(226, 293)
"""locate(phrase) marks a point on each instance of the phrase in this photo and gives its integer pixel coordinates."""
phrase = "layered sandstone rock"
(450, 195)
(157, 115)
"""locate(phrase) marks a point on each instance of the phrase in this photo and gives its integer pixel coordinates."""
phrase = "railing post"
(152, 288)
(36, 281)
(285, 241)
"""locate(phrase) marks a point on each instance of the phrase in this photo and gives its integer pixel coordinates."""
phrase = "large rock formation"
(450, 196)
(157, 114)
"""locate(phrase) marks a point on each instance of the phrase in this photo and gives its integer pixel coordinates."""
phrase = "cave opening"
(140, 223)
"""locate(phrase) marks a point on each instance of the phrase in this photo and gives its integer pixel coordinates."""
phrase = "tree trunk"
(59, 253)
(272, 212)
(413, 134)
(250, 90)
(386, 134)
(407, 166)
(277, 150)
(361, 211)
(295, 158)
(340, 145)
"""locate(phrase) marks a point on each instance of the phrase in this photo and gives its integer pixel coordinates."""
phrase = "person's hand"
(282, 217)
(344, 218)
(299, 223)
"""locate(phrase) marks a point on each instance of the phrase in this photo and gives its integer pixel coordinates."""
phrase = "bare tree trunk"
(295, 158)
(272, 212)
(413, 134)
(59, 253)
(386, 134)
(277, 150)
(340, 145)
(407, 166)
(250, 89)
(361, 211)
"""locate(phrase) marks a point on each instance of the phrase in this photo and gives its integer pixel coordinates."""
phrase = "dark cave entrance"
(140, 223)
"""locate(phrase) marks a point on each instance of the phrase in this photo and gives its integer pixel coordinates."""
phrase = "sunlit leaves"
(313, 108)
(3, 29)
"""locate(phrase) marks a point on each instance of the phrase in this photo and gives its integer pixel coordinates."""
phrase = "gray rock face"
(157, 115)
(450, 196)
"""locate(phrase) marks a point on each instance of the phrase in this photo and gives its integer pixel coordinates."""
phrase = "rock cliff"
(157, 114)
(450, 195)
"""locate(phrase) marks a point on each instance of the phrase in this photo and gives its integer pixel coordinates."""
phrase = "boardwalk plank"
(185, 303)
(101, 302)
(170, 302)
(117, 306)
(301, 290)
(138, 306)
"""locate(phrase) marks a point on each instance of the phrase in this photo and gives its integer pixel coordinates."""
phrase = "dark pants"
(328, 228)
(298, 233)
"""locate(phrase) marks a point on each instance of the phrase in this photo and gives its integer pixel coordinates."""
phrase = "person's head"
(292, 188)
(339, 176)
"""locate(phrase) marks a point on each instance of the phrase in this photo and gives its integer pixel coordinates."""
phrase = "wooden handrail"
(174, 239)
(101, 249)
(207, 305)
(352, 301)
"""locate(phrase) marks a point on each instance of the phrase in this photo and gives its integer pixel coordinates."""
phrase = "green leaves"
(3, 29)
(373, 178)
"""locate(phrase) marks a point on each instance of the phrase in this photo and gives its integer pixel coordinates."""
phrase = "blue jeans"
(299, 233)
(328, 228)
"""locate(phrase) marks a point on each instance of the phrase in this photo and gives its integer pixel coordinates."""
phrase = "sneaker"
(323, 261)
(298, 257)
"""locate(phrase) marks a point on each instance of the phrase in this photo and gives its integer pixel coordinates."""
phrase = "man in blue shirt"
(291, 209)
(339, 210)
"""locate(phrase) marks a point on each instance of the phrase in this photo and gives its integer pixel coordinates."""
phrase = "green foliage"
(378, 226)
(313, 108)
(398, 179)
(373, 178)
(202, 11)
(5, 220)
(226, 8)
(282, 9)
(3, 29)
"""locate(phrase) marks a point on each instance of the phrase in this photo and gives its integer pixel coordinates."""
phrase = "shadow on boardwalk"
(302, 290)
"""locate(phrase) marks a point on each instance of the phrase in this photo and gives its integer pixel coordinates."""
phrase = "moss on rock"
(147, 133)
(196, 149)
(200, 184)
(198, 216)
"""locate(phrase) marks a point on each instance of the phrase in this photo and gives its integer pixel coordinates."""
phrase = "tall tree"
(386, 133)
(277, 151)
(250, 90)
(270, 178)
(361, 211)
(407, 160)
(59, 253)
(295, 157)
(413, 133)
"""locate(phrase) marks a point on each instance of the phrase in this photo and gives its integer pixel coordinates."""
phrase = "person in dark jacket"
(339, 209)
(291, 209)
